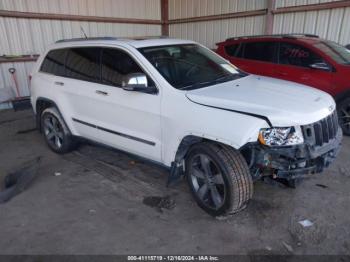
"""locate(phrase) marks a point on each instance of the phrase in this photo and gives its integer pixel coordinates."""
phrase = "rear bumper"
(293, 161)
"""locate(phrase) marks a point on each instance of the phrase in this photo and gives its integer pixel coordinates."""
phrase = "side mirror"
(138, 82)
(320, 66)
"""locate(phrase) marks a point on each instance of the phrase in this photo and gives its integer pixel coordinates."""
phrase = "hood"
(283, 103)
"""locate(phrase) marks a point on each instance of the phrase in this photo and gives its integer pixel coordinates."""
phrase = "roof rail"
(274, 35)
(111, 38)
(86, 39)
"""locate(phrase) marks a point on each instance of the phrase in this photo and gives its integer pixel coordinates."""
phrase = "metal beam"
(270, 17)
(25, 58)
(50, 16)
(313, 7)
(218, 17)
(164, 4)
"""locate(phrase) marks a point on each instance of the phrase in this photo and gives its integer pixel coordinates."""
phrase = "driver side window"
(296, 55)
(116, 65)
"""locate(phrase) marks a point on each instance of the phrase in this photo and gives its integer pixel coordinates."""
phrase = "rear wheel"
(344, 115)
(219, 178)
(55, 131)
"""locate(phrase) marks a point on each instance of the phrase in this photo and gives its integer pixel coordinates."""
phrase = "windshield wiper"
(225, 78)
(221, 79)
(194, 86)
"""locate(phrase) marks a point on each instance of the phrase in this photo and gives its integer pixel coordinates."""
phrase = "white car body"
(153, 125)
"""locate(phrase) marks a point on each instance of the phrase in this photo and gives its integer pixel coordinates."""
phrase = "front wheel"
(219, 178)
(344, 115)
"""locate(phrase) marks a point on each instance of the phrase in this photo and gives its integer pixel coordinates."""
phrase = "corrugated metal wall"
(211, 32)
(31, 36)
(191, 8)
(23, 69)
(332, 24)
(143, 9)
(21, 36)
(285, 3)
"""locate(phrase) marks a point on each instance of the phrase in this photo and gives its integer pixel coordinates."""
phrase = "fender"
(38, 114)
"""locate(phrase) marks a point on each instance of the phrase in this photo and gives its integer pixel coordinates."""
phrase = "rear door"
(78, 89)
(127, 120)
(255, 57)
(294, 61)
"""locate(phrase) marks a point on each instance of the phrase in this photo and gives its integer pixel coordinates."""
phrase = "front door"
(294, 64)
(127, 120)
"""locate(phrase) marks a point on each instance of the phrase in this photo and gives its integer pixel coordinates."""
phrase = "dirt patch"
(160, 203)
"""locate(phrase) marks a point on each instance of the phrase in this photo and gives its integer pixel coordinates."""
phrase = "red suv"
(306, 59)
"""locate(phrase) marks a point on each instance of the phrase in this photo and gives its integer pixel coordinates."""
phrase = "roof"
(297, 36)
(137, 42)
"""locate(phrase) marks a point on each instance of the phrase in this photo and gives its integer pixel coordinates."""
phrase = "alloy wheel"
(53, 131)
(207, 181)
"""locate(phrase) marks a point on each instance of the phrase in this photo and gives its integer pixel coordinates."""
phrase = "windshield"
(190, 66)
(337, 52)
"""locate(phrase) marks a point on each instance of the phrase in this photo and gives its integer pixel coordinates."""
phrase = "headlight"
(281, 136)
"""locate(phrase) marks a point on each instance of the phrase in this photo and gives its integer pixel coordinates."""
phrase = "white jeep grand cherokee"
(179, 104)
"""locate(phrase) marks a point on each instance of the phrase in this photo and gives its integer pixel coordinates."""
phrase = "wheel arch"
(177, 162)
(41, 104)
(189, 140)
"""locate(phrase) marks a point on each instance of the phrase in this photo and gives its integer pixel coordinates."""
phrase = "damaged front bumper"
(292, 162)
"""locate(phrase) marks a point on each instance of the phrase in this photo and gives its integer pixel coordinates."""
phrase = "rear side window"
(54, 62)
(116, 64)
(296, 55)
(84, 64)
(260, 51)
(232, 50)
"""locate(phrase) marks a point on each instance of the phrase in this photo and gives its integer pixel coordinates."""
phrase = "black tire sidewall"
(341, 104)
(202, 149)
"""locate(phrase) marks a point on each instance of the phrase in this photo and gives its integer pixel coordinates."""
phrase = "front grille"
(322, 131)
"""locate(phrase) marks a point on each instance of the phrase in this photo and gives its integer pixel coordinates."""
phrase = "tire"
(56, 132)
(344, 115)
(232, 181)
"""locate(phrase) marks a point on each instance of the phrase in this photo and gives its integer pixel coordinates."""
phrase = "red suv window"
(259, 51)
(233, 50)
(297, 55)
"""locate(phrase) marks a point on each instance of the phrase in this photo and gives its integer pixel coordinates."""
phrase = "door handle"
(99, 92)
(59, 83)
